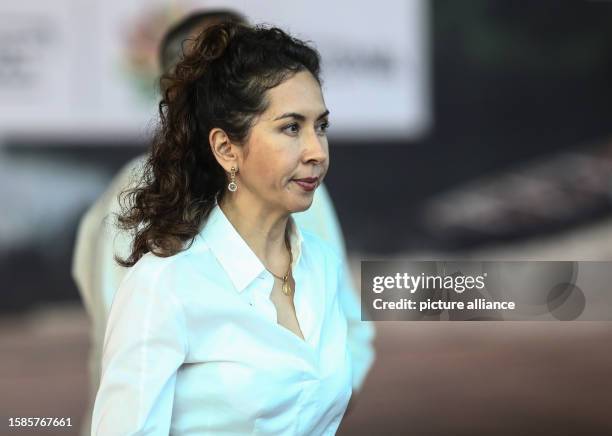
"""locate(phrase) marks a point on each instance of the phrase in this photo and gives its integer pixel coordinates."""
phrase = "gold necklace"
(286, 288)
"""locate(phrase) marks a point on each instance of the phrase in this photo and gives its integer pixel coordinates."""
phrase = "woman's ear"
(226, 152)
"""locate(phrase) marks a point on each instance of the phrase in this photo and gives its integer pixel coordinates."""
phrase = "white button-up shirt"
(193, 346)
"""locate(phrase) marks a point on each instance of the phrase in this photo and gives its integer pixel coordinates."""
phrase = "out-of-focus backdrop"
(480, 128)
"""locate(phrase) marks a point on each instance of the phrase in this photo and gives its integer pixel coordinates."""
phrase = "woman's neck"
(262, 229)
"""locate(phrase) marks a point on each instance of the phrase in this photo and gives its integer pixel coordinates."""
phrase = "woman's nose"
(316, 148)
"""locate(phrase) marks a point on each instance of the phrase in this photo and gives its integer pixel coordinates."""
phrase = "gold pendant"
(286, 286)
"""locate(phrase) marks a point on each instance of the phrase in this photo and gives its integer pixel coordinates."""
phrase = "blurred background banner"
(88, 68)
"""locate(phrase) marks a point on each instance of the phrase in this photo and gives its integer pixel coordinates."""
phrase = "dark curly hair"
(172, 44)
(220, 83)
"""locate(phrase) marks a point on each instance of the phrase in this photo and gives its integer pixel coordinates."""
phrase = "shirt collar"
(235, 256)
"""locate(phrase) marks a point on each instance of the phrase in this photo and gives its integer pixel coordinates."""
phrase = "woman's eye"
(291, 128)
(324, 126)
(294, 128)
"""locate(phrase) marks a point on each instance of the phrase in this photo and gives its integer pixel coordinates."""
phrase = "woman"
(228, 321)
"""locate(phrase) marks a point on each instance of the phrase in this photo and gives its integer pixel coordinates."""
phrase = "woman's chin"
(300, 206)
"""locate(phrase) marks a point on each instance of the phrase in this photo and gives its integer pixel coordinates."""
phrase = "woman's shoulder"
(154, 272)
(321, 261)
(318, 248)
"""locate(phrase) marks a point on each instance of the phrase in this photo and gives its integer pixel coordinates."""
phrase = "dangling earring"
(232, 184)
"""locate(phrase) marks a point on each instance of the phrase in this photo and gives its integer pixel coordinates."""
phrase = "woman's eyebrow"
(299, 116)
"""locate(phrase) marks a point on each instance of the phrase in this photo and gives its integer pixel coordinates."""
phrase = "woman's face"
(286, 155)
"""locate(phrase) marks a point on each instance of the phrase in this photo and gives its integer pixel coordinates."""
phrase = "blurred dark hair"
(172, 44)
(221, 82)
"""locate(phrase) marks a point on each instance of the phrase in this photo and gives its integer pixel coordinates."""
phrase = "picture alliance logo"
(412, 283)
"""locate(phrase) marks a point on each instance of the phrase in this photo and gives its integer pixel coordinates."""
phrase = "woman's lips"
(308, 183)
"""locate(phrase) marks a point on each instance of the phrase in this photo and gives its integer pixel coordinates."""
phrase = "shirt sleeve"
(144, 345)
(95, 271)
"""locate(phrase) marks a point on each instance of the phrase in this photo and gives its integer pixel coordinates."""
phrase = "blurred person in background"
(98, 275)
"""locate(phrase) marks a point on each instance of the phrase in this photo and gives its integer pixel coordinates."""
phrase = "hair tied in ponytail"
(213, 42)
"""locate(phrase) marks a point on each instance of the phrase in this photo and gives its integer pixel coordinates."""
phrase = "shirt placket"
(259, 296)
